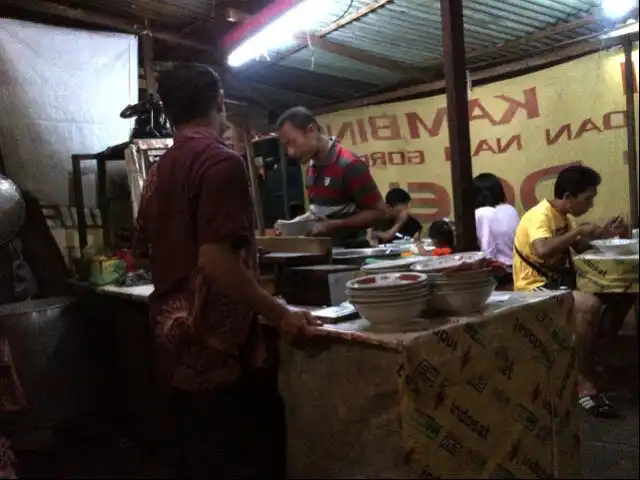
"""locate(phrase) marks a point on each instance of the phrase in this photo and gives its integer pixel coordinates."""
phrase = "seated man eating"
(397, 220)
(542, 261)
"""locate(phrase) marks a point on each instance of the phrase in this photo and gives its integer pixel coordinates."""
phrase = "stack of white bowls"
(298, 227)
(459, 291)
(388, 299)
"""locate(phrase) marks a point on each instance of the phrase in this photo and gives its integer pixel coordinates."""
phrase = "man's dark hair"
(442, 232)
(489, 191)
(575, 180)
(299, 117)
(397, 196)
(188, 92)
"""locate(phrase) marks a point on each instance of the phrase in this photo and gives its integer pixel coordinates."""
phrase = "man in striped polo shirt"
(341, 190)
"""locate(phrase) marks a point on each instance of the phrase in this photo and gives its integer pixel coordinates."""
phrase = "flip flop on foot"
(597, 405)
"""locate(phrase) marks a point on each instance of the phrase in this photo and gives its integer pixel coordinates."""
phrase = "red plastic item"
(127, 256)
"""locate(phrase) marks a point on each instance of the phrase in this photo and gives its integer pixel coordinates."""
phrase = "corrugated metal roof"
(408, 31)
(169, 12)
(332, 11)
(307, 81)
(316, 60)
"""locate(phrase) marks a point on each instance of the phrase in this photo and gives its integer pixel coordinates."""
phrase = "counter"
(485, 396)
(600, 273)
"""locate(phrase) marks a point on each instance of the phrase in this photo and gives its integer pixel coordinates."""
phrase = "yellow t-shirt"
(542, 221)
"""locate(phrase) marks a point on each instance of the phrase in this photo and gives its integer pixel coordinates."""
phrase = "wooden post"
(253, 178)
(3, 168)
(147, 63)
(284, 168)
(455, 74)
(632, 159)
(632, 146)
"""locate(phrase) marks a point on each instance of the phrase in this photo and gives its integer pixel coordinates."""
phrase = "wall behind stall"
(61, 92)
(524, 130)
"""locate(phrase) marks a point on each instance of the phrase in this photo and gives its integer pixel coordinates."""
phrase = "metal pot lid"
(12, 210)
(363, 253)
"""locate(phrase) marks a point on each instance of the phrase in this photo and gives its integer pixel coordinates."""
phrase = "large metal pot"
(12, 210)
(49, 354)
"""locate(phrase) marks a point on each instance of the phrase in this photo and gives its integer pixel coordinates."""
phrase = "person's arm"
(418, 230)
(546, 246)
(582, 243)
(362, 189)
(223, 229)
(390, 234)
(610, 229)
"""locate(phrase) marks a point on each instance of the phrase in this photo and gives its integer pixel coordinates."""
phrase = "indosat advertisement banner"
(524, 130)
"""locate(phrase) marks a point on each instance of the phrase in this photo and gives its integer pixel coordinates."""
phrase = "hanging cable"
(310, 44)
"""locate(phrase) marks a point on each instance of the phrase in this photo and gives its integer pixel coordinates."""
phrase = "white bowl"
(616, 246)
(462, 276)
(386, 297)
(461, 301)
(387, 281)
(406, 292)
(461, 286)
(294, 228)
(392, 312)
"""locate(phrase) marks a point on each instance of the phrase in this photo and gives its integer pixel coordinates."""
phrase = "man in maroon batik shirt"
(195, 224)
(341, 190)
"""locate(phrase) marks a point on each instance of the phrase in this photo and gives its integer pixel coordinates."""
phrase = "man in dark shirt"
(398, 220)
(196, 223)
(341, 190)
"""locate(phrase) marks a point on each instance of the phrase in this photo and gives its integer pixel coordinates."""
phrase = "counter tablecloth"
(489, 395)
(600, 273)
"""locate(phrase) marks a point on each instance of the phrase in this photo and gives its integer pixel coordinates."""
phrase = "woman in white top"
(496, 220)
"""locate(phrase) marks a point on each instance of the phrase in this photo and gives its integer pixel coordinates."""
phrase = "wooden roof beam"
(435, 84)
(367, 58)
(372, 7)
(119, 24)
(569, 52)
(113, 23)
(534, 37)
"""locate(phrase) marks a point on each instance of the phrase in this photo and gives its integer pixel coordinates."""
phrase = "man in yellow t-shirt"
(543, 246)
(541, 222)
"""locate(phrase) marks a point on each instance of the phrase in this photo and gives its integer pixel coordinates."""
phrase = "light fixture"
(281, 32)
(618, 8)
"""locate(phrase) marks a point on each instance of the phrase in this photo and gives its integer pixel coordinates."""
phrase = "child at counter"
(443, 237)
